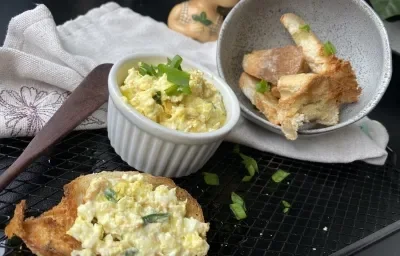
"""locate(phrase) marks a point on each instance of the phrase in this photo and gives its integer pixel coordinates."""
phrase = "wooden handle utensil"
(91, 94)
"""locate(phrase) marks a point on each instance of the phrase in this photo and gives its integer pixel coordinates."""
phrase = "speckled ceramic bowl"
(351, 25)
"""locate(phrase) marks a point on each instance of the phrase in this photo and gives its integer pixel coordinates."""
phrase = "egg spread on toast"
(116, 213)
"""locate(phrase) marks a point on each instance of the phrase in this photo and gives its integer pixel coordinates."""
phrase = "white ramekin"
(152, 148)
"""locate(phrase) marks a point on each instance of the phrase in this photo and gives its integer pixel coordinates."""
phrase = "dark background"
(387, 112)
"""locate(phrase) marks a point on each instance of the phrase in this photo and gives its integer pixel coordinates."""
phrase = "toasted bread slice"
(265, 102)
(307, 98)
(271, 64)
(46, 234)
(275, 92)
(320, 62)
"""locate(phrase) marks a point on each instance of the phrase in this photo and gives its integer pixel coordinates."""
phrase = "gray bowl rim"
(387, 67)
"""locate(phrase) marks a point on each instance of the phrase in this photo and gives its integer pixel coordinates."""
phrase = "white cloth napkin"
(40, 63)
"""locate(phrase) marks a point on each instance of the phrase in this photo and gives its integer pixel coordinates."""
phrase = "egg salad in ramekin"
(130, 216)
(167, 116)
(174, 98)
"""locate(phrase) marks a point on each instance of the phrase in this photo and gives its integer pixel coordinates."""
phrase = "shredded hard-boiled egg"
(128, 216)
(201, 110)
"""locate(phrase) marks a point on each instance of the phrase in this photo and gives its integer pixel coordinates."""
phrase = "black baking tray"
(332, 205)
(385, 242)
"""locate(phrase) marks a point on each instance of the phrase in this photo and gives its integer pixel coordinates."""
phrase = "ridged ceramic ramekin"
(152, 148)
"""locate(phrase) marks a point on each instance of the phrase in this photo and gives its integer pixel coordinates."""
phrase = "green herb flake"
(110, 195)
(180, 79)
(172, 91)
(146, 69)
(250, 163)
(175, 90)
(211, 179)
(329, 48)
(238, 211)
(279, 176)
(161, 68)
(247, 178)
(286, 206)
(185, 90)
(176, 62)
(155, 218)
(177, 77)
(202, 18)
(305, 28)
(236, 199)
(157, 97)
(386, 8)
(263, 86)
(131, 252)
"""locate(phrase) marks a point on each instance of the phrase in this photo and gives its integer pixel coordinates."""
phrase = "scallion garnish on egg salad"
(129, 216)
(175, 98)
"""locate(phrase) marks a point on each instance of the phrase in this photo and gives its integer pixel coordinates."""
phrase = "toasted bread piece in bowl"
(354, 29)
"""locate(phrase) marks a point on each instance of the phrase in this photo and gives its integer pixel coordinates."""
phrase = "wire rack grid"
(332, 205)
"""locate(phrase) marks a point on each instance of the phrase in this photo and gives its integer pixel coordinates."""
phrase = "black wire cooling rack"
(332, 205)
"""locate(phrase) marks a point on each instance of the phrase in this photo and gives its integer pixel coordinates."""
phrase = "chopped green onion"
(155, 218)
(329, 48)
(185, 90)
(238, 206)
(161, 69)
(263, 86)
(146, 69)
(305, 28)
(211, 178)
(250, 163)
(238, 211)
(142, 70)
(279, 175)
(157, 97)
(177, 77)
(172, 91)
(180, 79)
(175, 90)
(286, 204)
(175, 62)
(110, 195)
(131, 252)
(174, 75)
(247, 178)
(236, 199)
